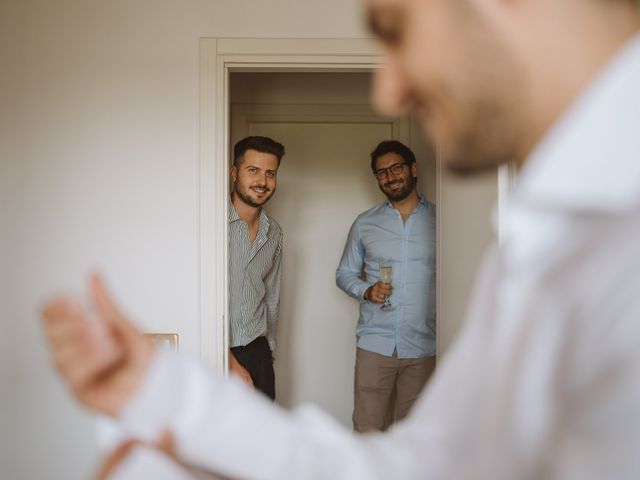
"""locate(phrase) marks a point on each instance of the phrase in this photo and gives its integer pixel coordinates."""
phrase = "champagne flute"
(386, 275)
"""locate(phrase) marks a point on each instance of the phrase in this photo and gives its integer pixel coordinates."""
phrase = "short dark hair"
(392, 146)
(259, 144)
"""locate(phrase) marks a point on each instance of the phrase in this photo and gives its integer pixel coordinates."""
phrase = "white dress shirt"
(543, 380)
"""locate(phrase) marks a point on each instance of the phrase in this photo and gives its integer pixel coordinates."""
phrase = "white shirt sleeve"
(221, 426)
(144, 462)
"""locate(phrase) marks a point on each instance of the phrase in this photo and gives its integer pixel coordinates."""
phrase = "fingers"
(100, 355)
(378, 297)
(116, 457)
(166, 443)
(379, 292)
(247, 378)
(240, 371)
(105, 306)
(107, 309)
(60, 318)
(103, 302)
(57, 312)
(74, 343)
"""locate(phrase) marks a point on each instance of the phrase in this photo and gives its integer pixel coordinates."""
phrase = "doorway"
(324, 182)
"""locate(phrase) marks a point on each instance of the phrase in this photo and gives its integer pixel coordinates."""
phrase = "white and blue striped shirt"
(379, 234)
(254, 280)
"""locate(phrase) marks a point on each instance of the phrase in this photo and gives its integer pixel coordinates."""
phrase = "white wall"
(465, 207)
(99, 163)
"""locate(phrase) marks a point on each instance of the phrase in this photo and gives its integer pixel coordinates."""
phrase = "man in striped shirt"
(255, 252)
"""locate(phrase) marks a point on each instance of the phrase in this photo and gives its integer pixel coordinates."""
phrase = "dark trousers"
(256, 357)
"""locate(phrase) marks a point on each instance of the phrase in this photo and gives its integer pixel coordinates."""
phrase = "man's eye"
(252, 170)
(271, 174)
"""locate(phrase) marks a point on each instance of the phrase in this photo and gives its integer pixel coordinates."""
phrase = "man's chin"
(397, 196)
(470, 156)
(254, 202)
(259, 202)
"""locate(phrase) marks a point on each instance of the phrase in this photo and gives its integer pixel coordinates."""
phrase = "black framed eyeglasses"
(396, 169)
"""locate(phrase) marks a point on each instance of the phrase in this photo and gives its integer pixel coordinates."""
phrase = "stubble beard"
(246, 198)
(486, 143)
(401, 194)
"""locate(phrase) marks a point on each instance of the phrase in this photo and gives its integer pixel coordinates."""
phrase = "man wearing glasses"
(388, 264)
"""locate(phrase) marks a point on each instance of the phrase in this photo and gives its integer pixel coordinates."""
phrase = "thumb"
(114, 460)
(166, 443)
(108, 311)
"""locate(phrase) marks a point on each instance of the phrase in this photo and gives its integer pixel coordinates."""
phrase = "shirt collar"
(590, 160)
(233, 214)
(234, 217)
(422, 203)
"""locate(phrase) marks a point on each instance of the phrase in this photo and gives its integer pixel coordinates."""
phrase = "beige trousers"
(378, 380)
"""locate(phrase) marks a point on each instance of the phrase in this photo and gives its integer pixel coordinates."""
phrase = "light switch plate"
(164, 340)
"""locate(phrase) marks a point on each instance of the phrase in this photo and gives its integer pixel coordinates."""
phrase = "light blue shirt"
(379, 234)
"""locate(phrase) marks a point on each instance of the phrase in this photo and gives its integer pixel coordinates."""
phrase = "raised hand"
(100, 355)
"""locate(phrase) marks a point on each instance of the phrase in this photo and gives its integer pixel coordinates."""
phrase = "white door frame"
(218, 57)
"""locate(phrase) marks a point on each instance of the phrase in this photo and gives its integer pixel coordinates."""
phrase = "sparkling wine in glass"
(386, 274)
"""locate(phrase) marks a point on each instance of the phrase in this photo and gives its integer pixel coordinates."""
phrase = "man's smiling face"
(255, 177)
(446, 63)
(396, 186)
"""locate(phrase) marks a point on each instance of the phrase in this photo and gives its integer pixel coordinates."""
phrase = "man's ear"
(233, 173)
(414, 169)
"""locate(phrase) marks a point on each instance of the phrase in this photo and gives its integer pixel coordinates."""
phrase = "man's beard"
(245, 197)
(492, 123)
(399, 195)
(482, 147)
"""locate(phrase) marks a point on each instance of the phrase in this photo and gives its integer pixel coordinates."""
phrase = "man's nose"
(389, 92)
(262, 179)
